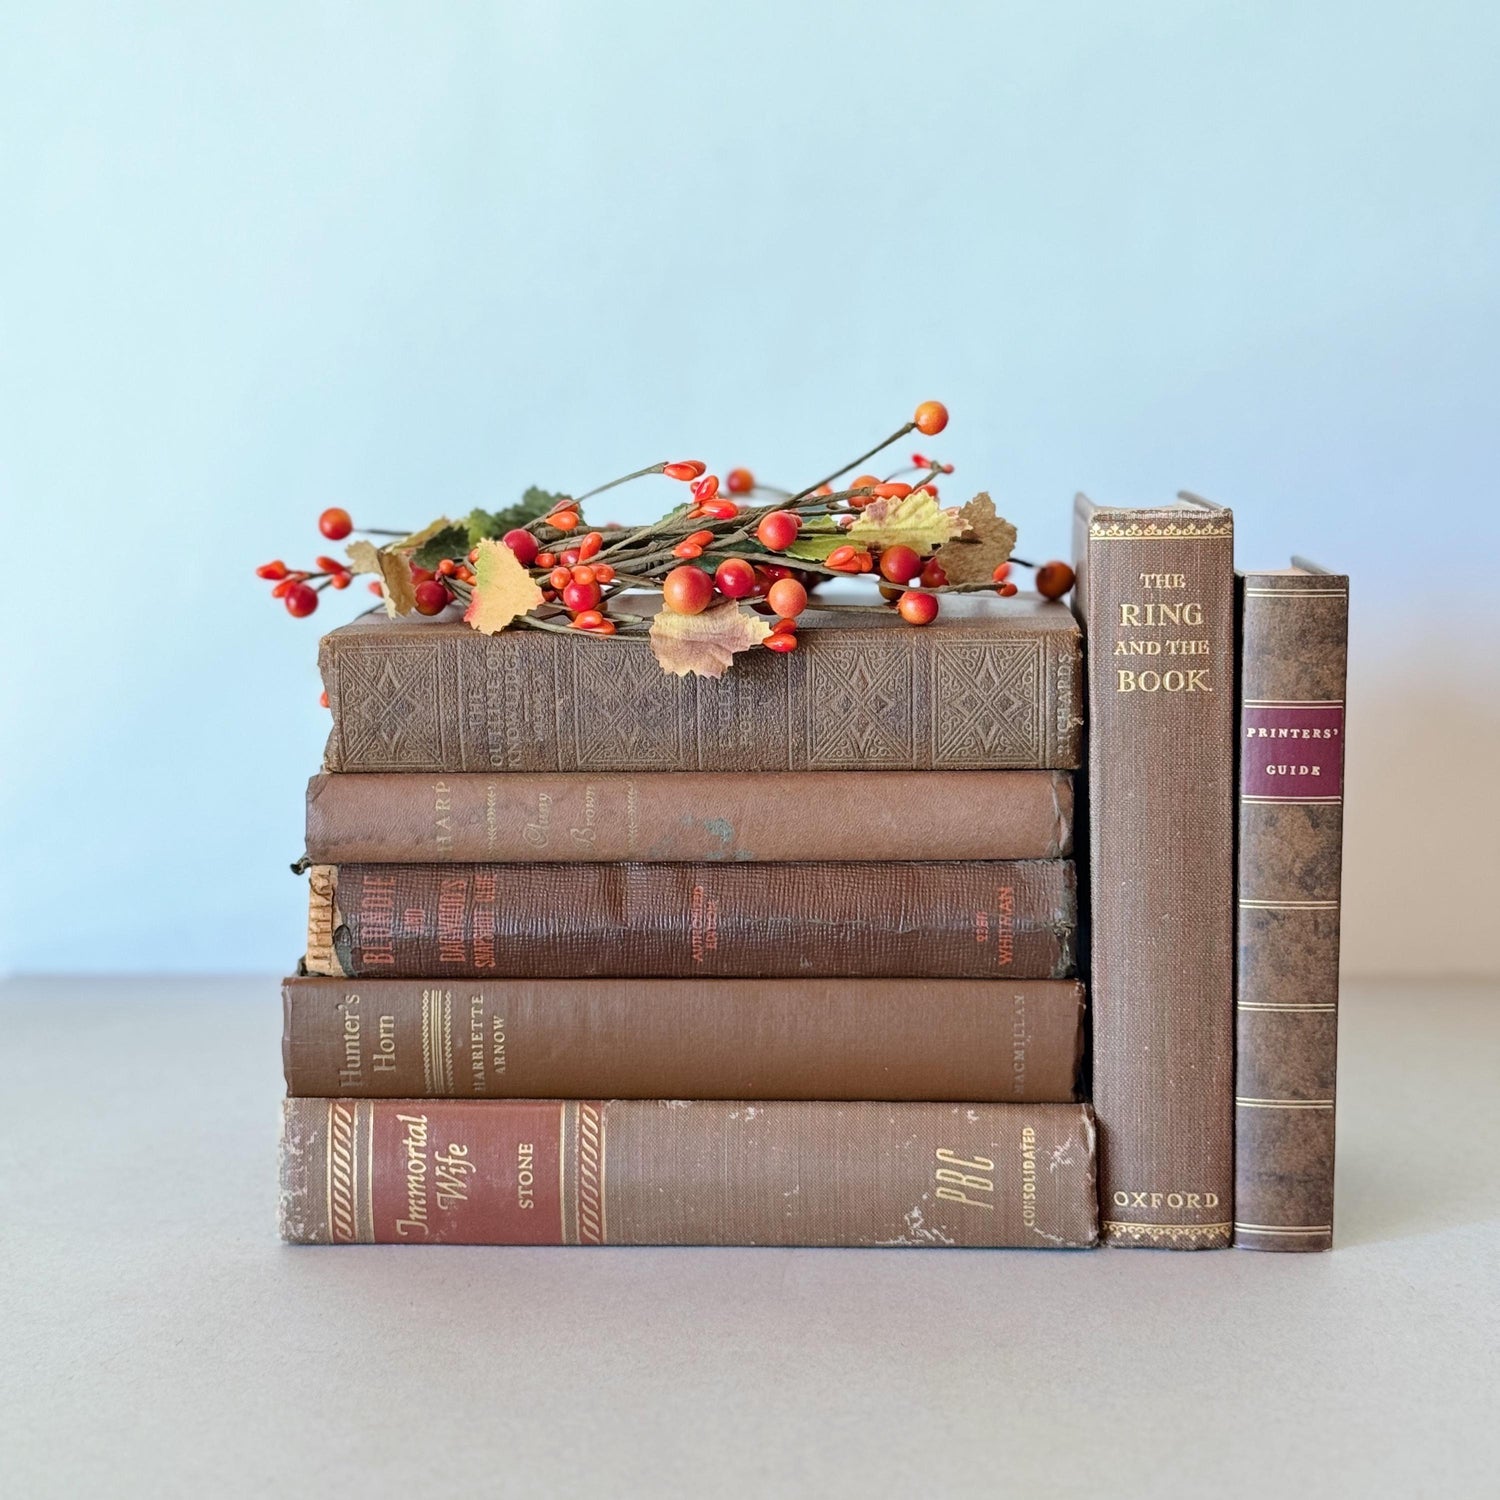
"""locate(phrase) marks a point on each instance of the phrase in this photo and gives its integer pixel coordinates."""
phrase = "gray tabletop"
(158, 1339)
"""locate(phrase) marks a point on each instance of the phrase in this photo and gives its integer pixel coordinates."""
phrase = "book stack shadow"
(601, 955)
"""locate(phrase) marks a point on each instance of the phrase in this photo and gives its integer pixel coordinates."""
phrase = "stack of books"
(603, 955)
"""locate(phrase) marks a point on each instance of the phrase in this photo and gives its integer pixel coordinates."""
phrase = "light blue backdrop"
(258, 258)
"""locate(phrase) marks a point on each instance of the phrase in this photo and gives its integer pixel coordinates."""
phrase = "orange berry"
(275, 571)
(1001, 573)
(335, 524)
(687, 591)
(720, 509)
(900, 564)
(563, 520)
(1054, 579)
(560, 578)
(842, 558)
(778, 530)
(706, 488)
(863, 562)
(465, 574)
(604, 627)
(687, 550)
(930, 418)
(584, 574)
(340, 580)
(447, 568)
(787, 597)
(892, 490)
(474, 552)
(543, 559)
(323, 698)
(376, 589)
(780, 643)
(917, 608)
(590, 545)
(603, 573)
(1006, 590)
(586, 619)
(739, 481)
(783, 627)
(687, 468)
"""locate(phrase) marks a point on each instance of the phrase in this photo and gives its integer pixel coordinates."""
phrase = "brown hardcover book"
(1294, 642)
(993, 684)
(1156, 595)
(986, 1040)
(689, 815)
(946, 920)
(660, 1172)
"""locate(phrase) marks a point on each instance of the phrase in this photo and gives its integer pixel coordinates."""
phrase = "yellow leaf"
(415, 540)
(393, 570)
(986, 543)
(705, 644)
(503, 589)
(915, 521)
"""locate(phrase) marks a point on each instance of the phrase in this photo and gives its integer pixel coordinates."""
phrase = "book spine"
(649, 1172)
(1158, 608)
(958, 920)
(985, 1040)
(1295, 629)
(689, 815)
(862, 700)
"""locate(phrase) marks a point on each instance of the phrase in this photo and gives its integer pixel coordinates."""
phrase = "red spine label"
(464, 1176)
(1292, 752)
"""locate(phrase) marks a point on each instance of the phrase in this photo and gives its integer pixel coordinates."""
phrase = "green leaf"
(451, 541)
(495, 523)
(815, 548)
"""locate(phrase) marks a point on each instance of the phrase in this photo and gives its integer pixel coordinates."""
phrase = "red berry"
(687, 591)
(335, 524)
(546, 559)
(580, 595)
(787, 597)
(918, 462)
(340, 580)
(587, 619)
(687, 550)
(323, 698)
(272, 570)
(1054, 579)
(930, 418)
(568, 558)
(899, 564)
(778, 530)
(687, 468)
(843, 558)
(376, 589)
(431, 597)
(706, 488)
(739, 481)
(421, 575)
(720, 509)
(735, 578)
(301, 600)
(917, 608)
(1001, 573)
(328, 564)
(589, 546)
(780, 643)
(522, 543)
(281, 589)
(784, 627)
(933, 575)
(1006, 590)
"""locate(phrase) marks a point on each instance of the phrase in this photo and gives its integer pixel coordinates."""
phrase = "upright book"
(1294, 642)
(1156, 597)
(992, 684)
(678, 1172)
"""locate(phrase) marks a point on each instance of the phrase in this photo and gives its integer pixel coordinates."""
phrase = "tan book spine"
(1156, 597)
(952, 919)
(984, 1040)
(688, 815)
(1294, 644)
(655, 1172)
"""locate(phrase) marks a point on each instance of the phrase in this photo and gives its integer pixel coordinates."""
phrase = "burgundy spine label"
(1292, 752)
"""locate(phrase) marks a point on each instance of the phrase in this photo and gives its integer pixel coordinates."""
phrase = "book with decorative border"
(1156, 598)
(1294, 635)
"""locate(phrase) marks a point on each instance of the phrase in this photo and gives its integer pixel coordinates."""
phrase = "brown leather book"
(987, 1040)
(1294, 641)
(1156, 596)
(947, 920)
(689, 815)
(674, 1172)
(993, 684)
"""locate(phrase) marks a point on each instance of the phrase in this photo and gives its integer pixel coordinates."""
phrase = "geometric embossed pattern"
(395, 722)
(859, 705)
(987, 706)
(627, 711)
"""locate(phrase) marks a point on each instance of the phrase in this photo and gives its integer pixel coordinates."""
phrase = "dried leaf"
(449, 540)
(420, 538)
(391, 568)
(916, 521)
(705, 644)
(986, 543)
(503, 589)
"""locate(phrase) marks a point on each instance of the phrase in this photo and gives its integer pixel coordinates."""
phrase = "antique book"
(674, 1172)
(946, 920)
(1294, 631)
(1156, 597)
(992, 684)
(987, 1040)
(688, 815)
